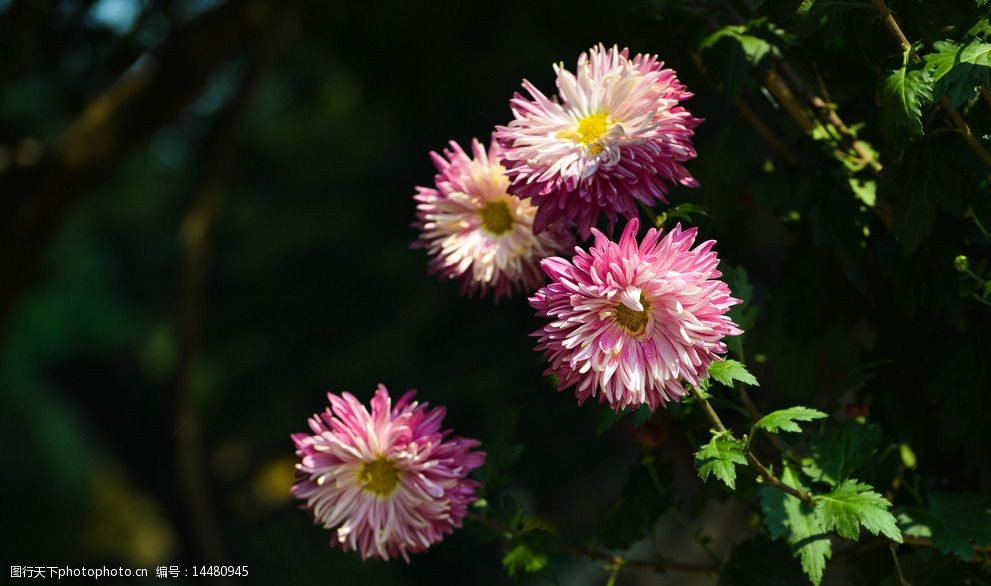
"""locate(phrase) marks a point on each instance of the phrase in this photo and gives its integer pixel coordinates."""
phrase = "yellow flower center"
(591, 128)
(379, 477)
(496, 217)
(634, 321)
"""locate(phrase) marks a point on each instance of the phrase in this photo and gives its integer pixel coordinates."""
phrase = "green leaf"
(744, 54)
(501, 455)
(784, 420)
(528, 554)
(727, 371)
(754, 48)
(682, 211)
(955, 522)
(981, 28)
(837, 455)
(959, 69)
(720, 457)
(852, 505)
(743, 314)
(916, 191)
(739, 283)
(903, 94)
(829, 19)
(787, 517)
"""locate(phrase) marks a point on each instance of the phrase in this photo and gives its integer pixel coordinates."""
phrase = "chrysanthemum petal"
(616, 136)
(630, 322)
(389, 482)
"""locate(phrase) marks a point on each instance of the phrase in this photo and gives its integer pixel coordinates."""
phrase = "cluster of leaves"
(827, 498)
(954, 70)
(804, 523)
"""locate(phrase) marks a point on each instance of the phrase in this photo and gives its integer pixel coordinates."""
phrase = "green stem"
(766, 475)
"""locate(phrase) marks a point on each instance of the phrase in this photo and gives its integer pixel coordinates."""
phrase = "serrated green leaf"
(959, 69)
(727, 371)
(787, 517)
(955, 522)
(852, 505)
(837, 455)
(904, 92)
(981, 28)
(720, 457)
(642, 501)
(784, 420)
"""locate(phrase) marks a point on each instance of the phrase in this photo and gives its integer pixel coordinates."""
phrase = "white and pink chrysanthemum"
(631, 322)
(390, 482)
(616, 135)
(477, 232)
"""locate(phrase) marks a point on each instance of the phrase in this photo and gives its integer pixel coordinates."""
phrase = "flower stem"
(765, 473)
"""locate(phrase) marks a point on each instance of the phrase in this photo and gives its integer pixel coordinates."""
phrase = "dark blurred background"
(205, 211)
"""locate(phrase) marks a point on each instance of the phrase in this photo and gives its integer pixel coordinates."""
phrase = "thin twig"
(768, 477)
(827, 114)
(824, 110)
(750, 115)
(968, 136)
(787, 100)
(775, 80)
(898, 567)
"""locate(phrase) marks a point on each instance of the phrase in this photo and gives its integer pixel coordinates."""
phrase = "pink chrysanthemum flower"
(631, 322)
(477, 232)
(390, 482)
(615, 136)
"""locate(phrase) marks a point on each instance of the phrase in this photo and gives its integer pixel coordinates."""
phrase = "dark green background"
(311, 284)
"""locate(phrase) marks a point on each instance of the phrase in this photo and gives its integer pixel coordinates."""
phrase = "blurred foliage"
(851, 237)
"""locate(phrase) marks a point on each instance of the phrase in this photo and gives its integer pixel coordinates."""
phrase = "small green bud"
(961, 263)
(908, 456)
